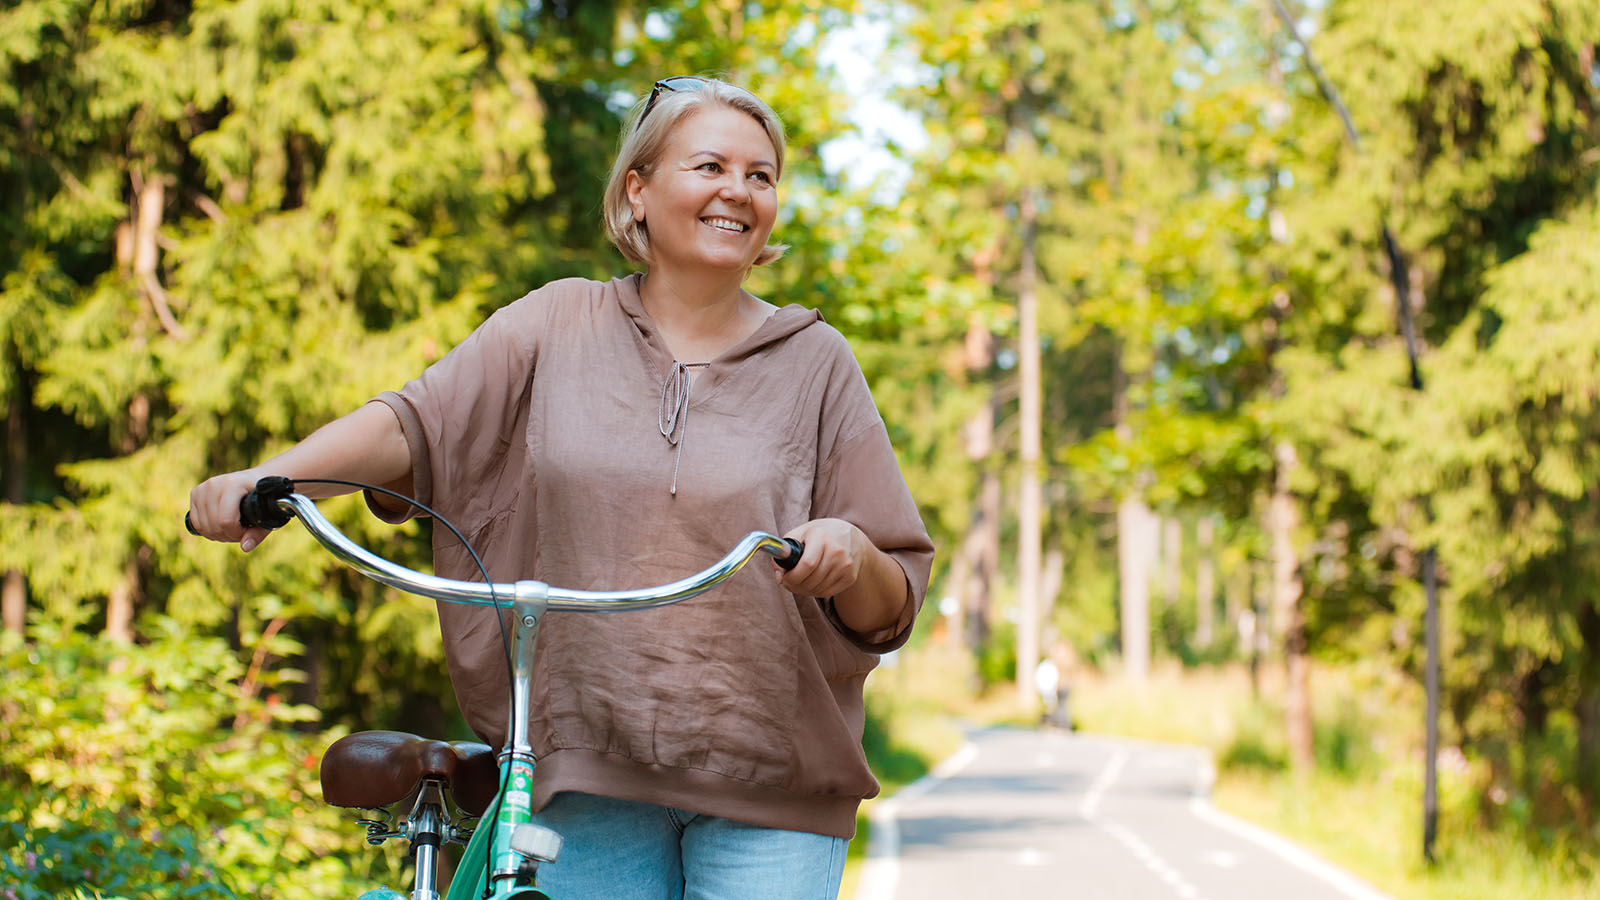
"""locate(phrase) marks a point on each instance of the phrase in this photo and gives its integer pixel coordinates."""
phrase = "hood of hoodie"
(678, 388)
(782, 323)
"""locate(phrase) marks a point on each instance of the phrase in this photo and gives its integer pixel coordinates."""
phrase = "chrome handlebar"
(478, 593)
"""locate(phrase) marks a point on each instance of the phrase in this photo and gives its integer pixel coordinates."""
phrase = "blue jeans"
(622, 850)
(634, 851)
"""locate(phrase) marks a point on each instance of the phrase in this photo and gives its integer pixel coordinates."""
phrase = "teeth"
(725, 224)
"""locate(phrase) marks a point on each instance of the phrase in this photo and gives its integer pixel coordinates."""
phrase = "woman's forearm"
(366, 445)
(878, 598)
(869, 589)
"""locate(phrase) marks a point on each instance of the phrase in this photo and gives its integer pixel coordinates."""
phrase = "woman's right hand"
(214, 509)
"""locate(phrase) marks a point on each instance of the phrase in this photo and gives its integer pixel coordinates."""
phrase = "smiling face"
(711, 198)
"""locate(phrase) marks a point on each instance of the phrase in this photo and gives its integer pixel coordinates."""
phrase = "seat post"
(425, 842)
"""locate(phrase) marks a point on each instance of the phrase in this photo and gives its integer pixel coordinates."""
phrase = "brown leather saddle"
(376, 769)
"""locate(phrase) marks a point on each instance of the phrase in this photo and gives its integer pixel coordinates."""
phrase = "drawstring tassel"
(673, 416)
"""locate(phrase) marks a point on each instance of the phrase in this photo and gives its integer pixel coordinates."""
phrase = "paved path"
(1029, 814)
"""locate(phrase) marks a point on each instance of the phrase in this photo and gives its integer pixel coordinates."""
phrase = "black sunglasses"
(671, 85)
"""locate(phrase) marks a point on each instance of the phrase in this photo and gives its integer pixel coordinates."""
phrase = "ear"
(634, 184)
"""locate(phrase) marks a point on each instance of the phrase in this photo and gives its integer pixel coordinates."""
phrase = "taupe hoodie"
(557, 437)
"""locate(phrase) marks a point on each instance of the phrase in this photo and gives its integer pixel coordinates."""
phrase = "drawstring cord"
(673, 416)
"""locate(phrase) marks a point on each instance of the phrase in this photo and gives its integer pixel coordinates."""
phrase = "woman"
(624, 434)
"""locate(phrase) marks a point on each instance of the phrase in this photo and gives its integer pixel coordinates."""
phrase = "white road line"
(1030, 856)
(1152, 861)
(1222, 859)
(1289, 852)
(881, 872)
(1089, 806)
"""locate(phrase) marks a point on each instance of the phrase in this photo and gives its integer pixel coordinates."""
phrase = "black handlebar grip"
(259, 508)
(796, 550)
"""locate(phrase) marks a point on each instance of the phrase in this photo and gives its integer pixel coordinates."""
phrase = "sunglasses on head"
(675, 84)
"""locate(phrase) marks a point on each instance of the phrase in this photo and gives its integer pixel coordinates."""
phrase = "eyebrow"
(722, 159)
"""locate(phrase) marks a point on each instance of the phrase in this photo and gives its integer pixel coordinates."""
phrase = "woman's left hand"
(835, 552)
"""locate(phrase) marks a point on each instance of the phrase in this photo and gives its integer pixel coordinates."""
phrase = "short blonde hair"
(642, 146)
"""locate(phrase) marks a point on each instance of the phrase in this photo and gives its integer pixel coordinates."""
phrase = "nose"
(734, 188)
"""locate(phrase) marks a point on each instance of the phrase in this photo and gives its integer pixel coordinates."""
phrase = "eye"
(710, 167)
(763, 177)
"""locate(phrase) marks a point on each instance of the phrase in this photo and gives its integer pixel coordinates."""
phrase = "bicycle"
(430, 792)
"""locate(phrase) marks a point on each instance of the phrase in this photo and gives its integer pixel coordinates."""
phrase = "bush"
(103, 860)
(997, 658)
(148, 771)
(1257, 741)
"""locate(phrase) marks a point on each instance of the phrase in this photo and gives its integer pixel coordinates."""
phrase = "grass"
(1372, 827)
(1360, 807)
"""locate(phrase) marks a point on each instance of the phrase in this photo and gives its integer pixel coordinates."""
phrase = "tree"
(1476, 133)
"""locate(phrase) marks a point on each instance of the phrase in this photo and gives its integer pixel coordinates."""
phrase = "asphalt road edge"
(881, 871)
(1285, 849)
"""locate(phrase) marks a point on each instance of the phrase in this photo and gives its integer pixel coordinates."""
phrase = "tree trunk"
(147, 214)
(977, 564)
(1171, 561)
(988, 575)
(1205, 601)
(1136, 535)
(1136, 547)
(14, 600)
(1030, 503)
(14, 590)
(1237, 601)
(1050, 579)
(122, 604)
(958, 585)
(1288, 614)
(1257, 633)
(141, 248)
(1588, 707)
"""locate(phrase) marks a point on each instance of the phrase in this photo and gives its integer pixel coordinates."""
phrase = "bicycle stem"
(530, 601)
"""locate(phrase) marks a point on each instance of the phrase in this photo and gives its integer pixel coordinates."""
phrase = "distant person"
(1047, 681)
(1065, 661)
(624, 433)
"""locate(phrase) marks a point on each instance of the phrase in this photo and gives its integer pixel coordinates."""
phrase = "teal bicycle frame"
(509, 868)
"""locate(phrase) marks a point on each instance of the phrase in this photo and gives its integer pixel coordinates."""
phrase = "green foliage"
(100, 860)
(892, 762)
(158, 770)
(1487, 188)
(1257, 743)
(997, 658)
(337, 194)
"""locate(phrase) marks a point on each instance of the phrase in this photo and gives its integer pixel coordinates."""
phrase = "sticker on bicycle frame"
(521, 801)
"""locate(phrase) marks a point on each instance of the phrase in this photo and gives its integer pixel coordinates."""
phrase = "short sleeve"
(461, 414)
(860, 482)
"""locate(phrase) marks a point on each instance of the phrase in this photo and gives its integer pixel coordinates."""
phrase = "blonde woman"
(615, 434)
